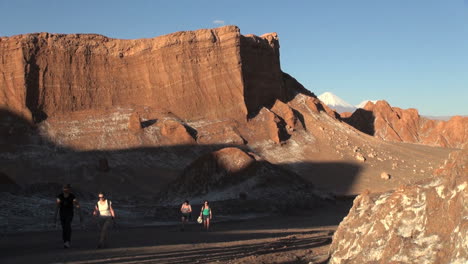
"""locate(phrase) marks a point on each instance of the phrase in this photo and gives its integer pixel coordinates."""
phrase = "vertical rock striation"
(203, 74)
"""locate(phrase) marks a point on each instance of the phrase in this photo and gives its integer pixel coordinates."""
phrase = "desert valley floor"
(302, 237)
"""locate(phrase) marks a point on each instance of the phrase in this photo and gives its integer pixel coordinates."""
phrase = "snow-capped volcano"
(336, 103)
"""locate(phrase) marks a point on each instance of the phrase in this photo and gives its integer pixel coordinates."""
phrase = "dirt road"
(301, 238)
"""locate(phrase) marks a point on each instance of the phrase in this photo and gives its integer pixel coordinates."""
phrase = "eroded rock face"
(212, 76)
(452, 133)
(288, 114)
(203, 74)
(317, 106)
(175, 133)
(269, 125)
(115, 128)
(223, 132)
(405, 125)
(423, 223)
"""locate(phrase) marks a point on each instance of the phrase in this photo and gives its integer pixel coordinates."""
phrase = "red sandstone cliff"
(203, 74)
(406, 125)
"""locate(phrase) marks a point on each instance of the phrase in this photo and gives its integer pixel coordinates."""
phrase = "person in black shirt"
(66, 202)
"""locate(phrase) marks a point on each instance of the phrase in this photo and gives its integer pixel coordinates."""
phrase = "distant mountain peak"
(363, 103)
(336, 103)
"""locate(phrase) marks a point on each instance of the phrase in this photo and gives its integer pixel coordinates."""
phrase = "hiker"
(206, 214)
(186, 211)
(105, 213)
(66, 202)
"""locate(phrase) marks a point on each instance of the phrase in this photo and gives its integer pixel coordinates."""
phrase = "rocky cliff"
(203, 74)
(422, 223)
(406, 125)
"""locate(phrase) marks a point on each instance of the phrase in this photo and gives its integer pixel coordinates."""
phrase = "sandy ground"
(300, 238)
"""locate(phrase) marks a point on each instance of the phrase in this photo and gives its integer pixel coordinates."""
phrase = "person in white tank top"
(106, 215)
(104, 207)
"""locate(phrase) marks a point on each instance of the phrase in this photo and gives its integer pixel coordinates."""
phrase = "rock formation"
(423, 223)
(406, 125)
(202, 74)
(152, 107)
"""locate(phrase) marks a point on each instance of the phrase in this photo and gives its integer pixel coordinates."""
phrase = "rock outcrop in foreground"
(423, 223)
(406, 125)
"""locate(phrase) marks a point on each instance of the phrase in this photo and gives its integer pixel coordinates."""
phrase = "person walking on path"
(66, 202)
(105, 213)
(206, 214)
(186, 211)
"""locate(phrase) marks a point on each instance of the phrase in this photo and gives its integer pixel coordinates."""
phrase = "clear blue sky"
(412, 53)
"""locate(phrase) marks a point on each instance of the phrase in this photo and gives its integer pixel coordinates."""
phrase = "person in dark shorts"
(66, 202)
(106, 215)
(186, 211)
(206, 214)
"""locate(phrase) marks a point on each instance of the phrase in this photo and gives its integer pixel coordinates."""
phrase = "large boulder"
(422, 223)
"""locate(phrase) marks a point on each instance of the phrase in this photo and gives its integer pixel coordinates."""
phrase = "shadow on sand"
(134, 171)
(28, 157)
(169, 245)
